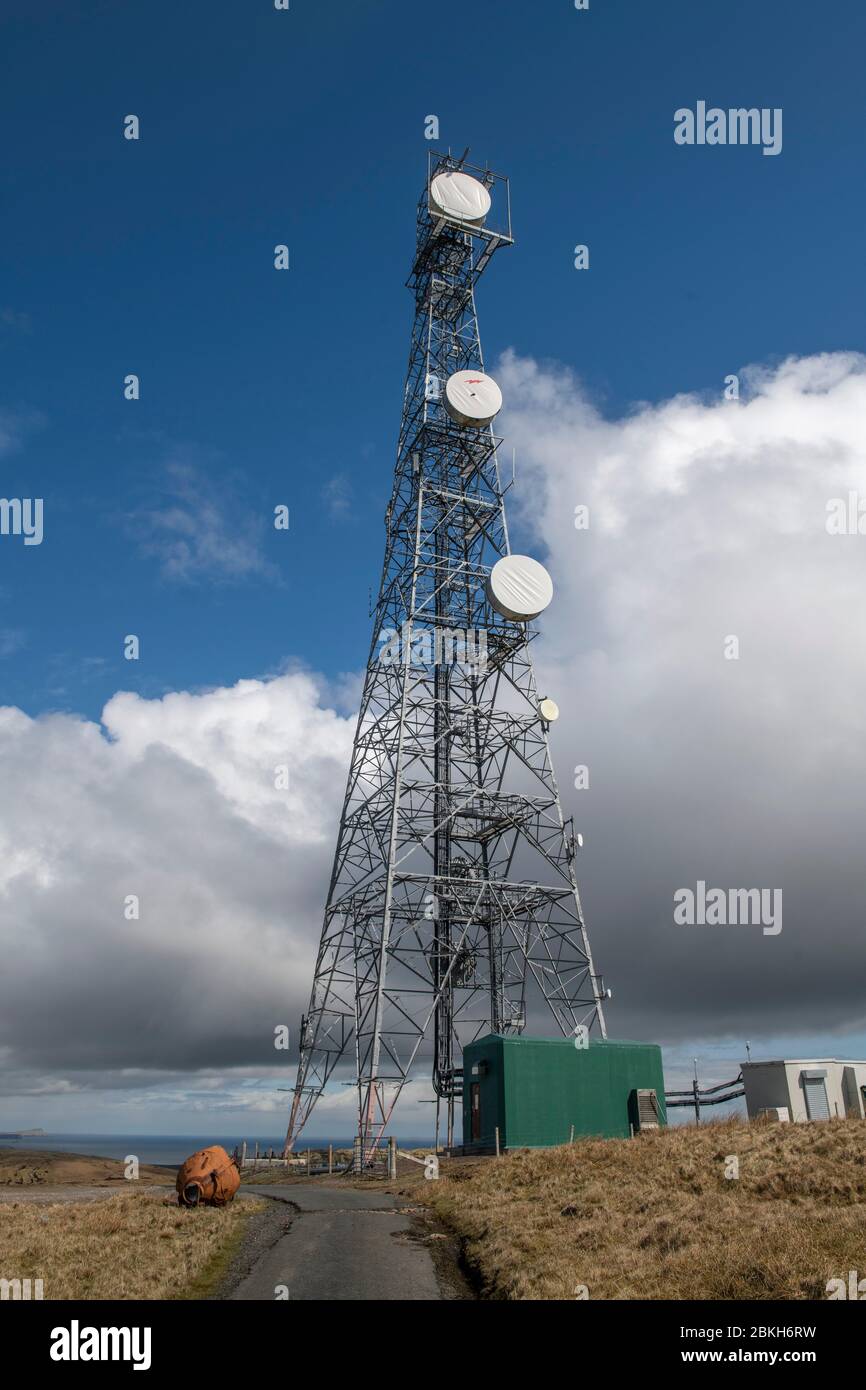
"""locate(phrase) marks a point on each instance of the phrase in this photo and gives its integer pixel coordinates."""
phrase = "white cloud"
(200, 529)
(240, 737)
(178, 806)
(338, 494)
(12, 639)
(15, 426)
(18, 320)
(707, 518)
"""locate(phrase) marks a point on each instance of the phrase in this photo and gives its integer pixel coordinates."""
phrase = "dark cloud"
(707, 520)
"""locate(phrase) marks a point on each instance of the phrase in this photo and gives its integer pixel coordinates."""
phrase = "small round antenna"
(519, 588)
(472, 399)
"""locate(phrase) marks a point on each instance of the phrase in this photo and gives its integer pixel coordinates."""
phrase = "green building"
(533, 1090)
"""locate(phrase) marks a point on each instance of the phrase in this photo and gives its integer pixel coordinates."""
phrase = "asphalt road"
(345, 1244)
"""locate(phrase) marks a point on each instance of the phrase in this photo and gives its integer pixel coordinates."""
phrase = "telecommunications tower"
(453, 906)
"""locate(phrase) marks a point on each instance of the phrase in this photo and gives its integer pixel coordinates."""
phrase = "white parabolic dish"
(472, 398)
(459, 195)
(519, 588)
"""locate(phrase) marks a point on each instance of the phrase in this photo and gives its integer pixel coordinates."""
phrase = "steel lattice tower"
(453, 903)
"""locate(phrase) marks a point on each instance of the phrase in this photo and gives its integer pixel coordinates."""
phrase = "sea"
(171, 1149)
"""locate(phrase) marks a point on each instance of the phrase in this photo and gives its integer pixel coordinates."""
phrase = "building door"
(815, 1091)
(475, 1109)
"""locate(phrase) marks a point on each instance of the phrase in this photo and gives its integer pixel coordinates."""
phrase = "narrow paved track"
(344, 1244)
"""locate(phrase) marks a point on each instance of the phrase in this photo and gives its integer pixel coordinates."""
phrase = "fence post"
(497, 1141)
(571, 1136)
(392, 1157)
(330, 1158)
(243, 1154)
(256, 1159)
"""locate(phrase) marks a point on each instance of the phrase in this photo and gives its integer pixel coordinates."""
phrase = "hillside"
(655, 1217)
(25, 1167)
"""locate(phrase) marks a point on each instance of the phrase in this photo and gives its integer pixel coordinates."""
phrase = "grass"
(36, 1167)
(656, 1218)
(128, 1246)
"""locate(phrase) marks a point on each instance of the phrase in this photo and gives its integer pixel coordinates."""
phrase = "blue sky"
(307, 128)
(260, 388)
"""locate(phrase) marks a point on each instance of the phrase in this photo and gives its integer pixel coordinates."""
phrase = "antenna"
(453, 908)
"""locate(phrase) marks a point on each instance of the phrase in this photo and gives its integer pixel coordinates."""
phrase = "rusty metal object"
(208, 1178)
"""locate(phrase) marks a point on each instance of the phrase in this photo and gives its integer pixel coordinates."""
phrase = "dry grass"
(129, 1246)
(32, 1167)
(656, 1218)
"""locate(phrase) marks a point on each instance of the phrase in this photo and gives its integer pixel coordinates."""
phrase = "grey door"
(815, 1090)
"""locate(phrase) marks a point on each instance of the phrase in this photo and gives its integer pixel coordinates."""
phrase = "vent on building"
(647, 1110)
(778, 1113)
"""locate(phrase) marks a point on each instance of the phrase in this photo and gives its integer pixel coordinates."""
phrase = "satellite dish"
(458, 195)
(549, 710)
(472, 398)
(519, 588)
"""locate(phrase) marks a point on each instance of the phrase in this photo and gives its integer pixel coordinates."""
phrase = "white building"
(816, 1089)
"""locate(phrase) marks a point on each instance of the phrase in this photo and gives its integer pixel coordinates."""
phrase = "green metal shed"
(534, 1089)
